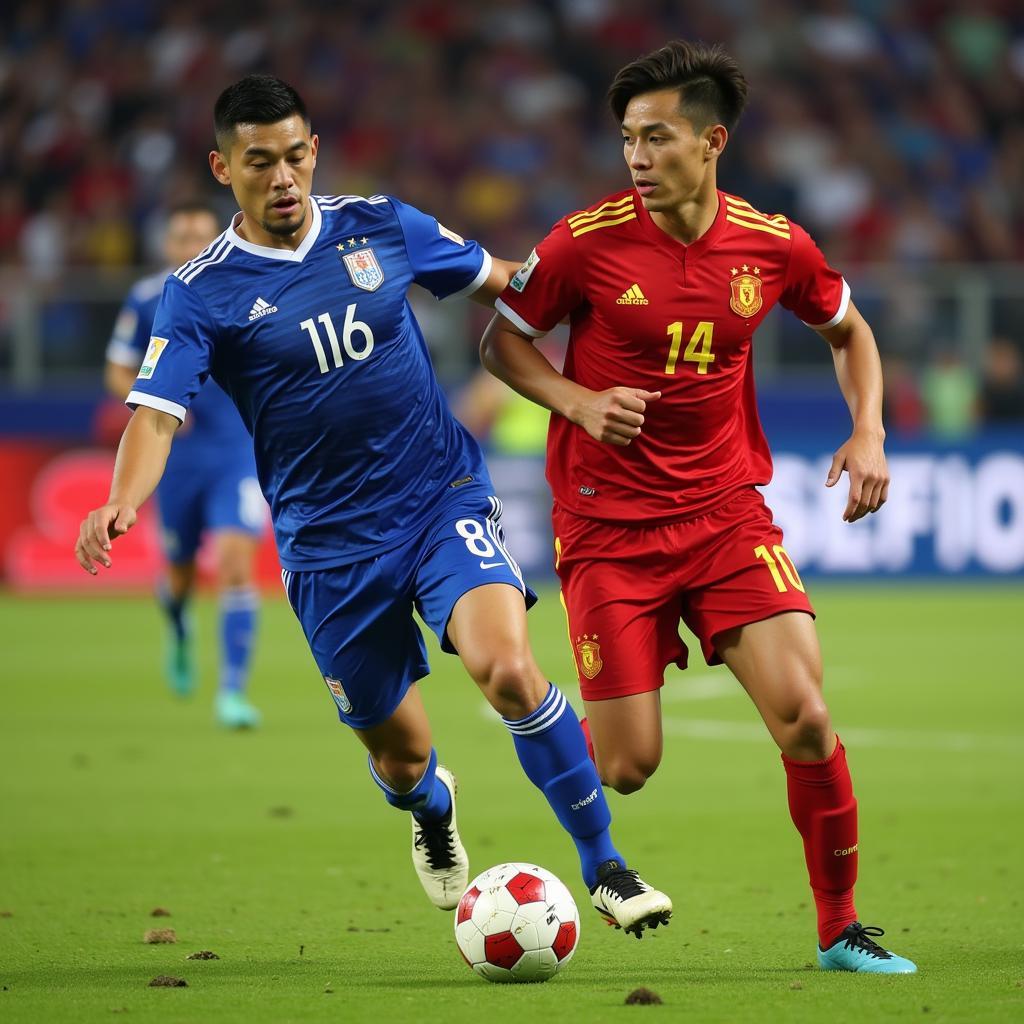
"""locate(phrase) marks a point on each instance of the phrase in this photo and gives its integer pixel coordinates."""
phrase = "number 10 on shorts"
(780, 559)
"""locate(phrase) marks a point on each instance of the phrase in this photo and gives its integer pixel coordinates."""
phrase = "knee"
(514, 685)
(627, 775)
(401, 770)
(807, 734)
(234, 573)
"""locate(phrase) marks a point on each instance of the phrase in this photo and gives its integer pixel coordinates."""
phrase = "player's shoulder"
(616, 211)
(747, 218)
(376, 206)
(214, 255)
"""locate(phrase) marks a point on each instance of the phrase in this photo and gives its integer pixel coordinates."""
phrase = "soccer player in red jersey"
(655, 451)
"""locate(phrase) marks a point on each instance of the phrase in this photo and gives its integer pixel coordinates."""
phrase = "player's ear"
(314, 145)
(714, 137)
(219, 166)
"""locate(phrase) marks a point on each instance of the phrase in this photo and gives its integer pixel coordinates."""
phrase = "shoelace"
(436, 838)
(625, 884)
(860, 938)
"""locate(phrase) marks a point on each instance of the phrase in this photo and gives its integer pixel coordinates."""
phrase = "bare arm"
(119, 379)
(859, 372)
(141, 458)
(500, 275)
(614, 416)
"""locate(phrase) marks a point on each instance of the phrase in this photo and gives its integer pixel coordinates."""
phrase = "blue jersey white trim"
(474, 285)
(136, 398)
(320, 352)
(287, 255)
(214, 253)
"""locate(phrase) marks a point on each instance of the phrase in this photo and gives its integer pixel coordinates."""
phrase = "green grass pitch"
(275, 851)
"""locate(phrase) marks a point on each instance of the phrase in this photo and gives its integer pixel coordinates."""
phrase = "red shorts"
(626, 587)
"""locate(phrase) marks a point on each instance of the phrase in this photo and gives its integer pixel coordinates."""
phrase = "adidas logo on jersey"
(260, 308)
(632, 296)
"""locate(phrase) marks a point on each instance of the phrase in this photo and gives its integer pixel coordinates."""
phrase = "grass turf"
(275, 851)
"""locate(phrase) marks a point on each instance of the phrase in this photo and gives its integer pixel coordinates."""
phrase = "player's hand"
(615, 416)
(863, 458)
(98, 529)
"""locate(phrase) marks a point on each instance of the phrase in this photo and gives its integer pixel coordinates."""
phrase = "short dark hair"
(255, 99)
(712, 89)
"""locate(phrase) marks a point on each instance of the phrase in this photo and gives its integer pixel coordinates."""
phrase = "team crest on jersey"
(339, 694)
(590, 655)
(745, 288)
(363, 268)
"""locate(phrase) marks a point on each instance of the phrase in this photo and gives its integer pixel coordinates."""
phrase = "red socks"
(824, 810)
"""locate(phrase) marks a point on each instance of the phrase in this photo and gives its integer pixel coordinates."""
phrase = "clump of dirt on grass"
(166, 981)
(155, 936)
(643, 997)
(203, 954)
(159, 912)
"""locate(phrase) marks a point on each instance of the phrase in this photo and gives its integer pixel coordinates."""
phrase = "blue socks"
(238, 612)
(429, 799)
(553, 753)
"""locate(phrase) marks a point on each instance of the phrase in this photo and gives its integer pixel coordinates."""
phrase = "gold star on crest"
(746, 267)
(734, 271)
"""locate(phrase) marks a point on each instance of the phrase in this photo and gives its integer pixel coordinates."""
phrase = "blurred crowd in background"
(894, 132)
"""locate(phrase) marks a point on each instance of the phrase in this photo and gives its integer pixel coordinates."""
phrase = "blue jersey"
(214, 426)
(319, 350)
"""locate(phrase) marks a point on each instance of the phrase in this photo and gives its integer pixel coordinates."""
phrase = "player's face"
(270, 170)
(188, 234)
(671, 164)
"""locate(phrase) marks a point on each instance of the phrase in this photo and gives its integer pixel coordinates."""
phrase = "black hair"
(712, 89)
(255, 99)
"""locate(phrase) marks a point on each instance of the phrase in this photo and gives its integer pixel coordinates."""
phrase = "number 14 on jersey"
(698, 348)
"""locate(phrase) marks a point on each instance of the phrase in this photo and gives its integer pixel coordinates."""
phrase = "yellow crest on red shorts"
(590, 655)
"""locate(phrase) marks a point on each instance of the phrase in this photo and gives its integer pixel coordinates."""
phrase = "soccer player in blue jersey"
(380, 499)
(209, 484)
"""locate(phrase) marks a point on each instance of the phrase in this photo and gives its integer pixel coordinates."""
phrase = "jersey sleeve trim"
(509, 313)
(137, 398)
(122, 354)
(482, 275)
(844, 304)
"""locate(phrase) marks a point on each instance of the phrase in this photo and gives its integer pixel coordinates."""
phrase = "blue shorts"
(358, 618)
(219, 495)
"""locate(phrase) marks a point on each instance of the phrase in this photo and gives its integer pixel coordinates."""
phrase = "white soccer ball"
(517, 922)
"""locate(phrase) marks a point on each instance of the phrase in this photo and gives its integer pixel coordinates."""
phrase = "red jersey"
(648, 312)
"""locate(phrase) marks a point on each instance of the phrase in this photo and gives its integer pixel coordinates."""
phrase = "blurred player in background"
(209, 486)
(656, 450)
(380, 499)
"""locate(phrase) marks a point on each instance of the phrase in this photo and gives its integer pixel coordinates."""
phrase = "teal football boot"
(855, 950)
(235, 712)
(179, 662)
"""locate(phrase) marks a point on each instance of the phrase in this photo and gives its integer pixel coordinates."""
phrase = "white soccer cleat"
(438, 854)
(624, 900)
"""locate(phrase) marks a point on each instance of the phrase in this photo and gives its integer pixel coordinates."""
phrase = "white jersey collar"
(289, 255)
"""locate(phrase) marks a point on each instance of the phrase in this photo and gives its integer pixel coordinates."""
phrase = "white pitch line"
(754, 732)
